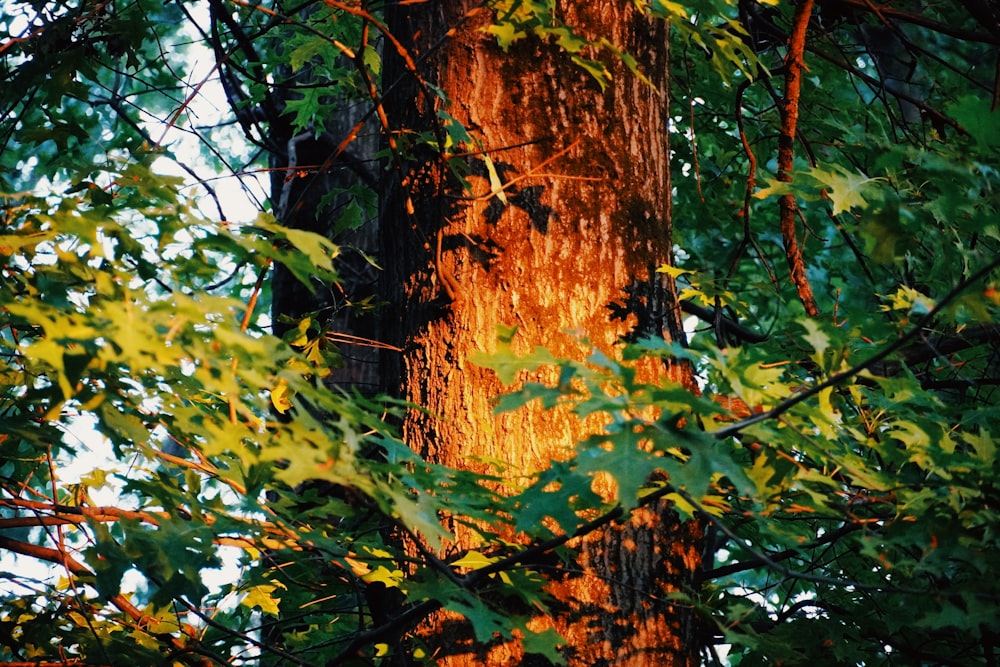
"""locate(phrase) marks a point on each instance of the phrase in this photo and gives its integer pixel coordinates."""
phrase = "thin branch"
(772, 564)
(786, 156)
(55, 514)
(396, 627)
(80, 570)
(875, 83)
(742, 566)
(915, 18)
(898, 344)
(724, 324)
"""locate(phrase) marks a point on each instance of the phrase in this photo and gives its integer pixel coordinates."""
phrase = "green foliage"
(868, 494)
(232, 508)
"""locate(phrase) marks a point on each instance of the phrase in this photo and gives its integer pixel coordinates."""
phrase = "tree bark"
(571, 255)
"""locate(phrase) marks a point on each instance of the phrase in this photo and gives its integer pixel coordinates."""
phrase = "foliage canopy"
(844, 460)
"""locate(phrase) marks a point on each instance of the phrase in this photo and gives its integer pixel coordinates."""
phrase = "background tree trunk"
(310, 184)
(571, 255)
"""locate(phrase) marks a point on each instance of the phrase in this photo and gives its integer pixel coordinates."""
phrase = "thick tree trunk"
(588, 219)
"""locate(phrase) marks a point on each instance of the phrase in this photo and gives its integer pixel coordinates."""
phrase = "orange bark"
(580, 233)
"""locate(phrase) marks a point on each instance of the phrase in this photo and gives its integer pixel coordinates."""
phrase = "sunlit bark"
(587, 218)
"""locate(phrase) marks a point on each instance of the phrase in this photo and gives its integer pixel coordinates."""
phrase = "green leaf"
(373, 60)
(556, 494)
(597, 69)
(978, 119)
(983, 444)
(485, 621)
(505, 362)
(545, 643)
(305, 52)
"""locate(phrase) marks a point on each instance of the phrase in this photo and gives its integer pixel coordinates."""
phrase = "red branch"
(786, 142)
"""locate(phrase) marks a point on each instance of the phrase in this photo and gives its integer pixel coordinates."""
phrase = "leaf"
(262, 597)
(383, 575)
(776, 188)
(556, 494)
(672, 271)
(620, 455)
(505, 363)
(279, 397)
(496, 186)
(506, 33)
(909, 299)
(883, 230)
(473, 560)
(352, 217)
(305, 52)
(983, 444)
(973, 113)
(486, 622)
(843, 187)
(598, 70)
(373, 59)
(817, 339)
(669, 8)
(545, 643)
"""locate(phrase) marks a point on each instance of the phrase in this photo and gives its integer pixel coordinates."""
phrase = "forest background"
(437, 401)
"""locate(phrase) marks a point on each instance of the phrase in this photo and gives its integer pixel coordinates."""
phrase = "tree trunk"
(310, 189)
(587, 220)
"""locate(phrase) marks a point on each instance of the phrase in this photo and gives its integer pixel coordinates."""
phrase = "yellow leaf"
(78, 618)
(96, 479)
(378, 553)
(34, 651)
(671, 8)
(145, 640)
(359, 568)
(390, 578)
(672, 271)
(303, 331)
(496, 187)
(279, 397)
(473, 560)
(262, 596)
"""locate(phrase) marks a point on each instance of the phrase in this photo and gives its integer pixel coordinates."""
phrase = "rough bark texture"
(571, 255)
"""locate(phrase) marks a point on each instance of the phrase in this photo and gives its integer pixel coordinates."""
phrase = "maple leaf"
(843, 187)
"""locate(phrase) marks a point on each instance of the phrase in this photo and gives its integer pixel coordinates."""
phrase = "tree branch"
(756, 562)
(871, 362)
(921, 20)
(788, 209)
